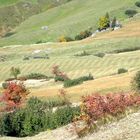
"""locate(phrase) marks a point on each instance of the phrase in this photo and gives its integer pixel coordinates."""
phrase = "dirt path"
(125, 129)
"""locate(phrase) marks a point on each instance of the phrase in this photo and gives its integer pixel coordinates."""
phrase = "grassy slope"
(13, 12)
(68, 19)
(7, 2)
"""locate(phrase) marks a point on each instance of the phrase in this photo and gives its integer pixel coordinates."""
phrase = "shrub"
(100, 55)
(98, 109)
(104, 22)
(126, 50)
(14, 95)
(130, 12)
(9, 34)
(137, 4)
(122, 70)
(36, 76)
(40, 41)
(74, 82)
(62, 39)
(59, 75)
(68, 39)
(15, 72)
(136, 82)
(113, 24)
(35, 117)
(83, 35)
(5, 85)
(66, 115)
(65, 39)
(23, 122)
(59, 78)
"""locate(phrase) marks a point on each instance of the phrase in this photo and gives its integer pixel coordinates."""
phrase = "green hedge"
(122, 70)
(74, 82)
(36, 76)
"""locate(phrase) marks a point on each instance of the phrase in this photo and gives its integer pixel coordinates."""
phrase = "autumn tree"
(104, 22)
(14, 95)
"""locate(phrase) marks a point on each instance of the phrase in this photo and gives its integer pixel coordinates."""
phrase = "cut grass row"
(74, 66)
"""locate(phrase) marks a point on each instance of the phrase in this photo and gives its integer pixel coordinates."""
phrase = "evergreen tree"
(108, 19)
(113, 24)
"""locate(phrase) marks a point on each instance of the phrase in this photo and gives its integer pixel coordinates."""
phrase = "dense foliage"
(137, 4)
(83, 35)
(104, 22)
(80, 80)
(35, 117)
(36, 76)
(122, 70)
(130, 12)
(98, 109)
(13, 96)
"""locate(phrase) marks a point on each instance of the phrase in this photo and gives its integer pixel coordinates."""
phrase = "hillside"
(68, 19)
(83, 89)
(14, 12)
(63, 54)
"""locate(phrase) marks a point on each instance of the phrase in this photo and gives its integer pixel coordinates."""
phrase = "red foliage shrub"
(97, 106)
(58, 73)
(97, 109)
(14, 96)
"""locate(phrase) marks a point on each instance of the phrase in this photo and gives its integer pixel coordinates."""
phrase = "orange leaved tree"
(13, 96)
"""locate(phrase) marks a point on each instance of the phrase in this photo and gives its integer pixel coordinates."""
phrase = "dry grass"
(105, 84)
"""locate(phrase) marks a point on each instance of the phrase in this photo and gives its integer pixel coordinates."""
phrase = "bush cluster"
(65, 39)
(13, 96)
(36, 76)
(130, 12)
(83, 35)
(80, 80)
(101, 55)
(122, 70)
(98, 109)
(137, 4)
(58, 74)
(35, 117)
(80, 36)
(126, 50)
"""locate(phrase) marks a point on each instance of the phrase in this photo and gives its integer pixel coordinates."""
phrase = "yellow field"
(107, 84)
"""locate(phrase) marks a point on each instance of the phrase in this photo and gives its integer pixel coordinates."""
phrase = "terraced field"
(63, 54)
